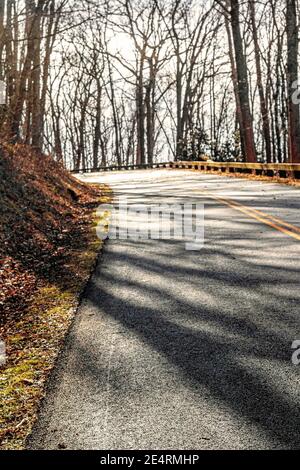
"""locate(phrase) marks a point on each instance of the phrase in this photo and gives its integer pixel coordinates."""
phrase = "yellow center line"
(294, 228)
(266, 219)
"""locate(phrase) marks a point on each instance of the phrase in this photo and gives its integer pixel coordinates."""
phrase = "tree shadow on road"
(221, 347)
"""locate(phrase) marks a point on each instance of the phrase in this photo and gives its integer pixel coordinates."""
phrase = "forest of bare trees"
(96, 82)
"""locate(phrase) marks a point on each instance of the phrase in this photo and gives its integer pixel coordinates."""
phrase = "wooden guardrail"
(282, 170)
(143, 166)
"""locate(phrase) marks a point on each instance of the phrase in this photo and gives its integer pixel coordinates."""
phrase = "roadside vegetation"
(48, 247)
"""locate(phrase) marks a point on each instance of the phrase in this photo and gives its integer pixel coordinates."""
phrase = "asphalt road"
(178, 349)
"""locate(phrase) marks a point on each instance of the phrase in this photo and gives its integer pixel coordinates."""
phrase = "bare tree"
(292, 80)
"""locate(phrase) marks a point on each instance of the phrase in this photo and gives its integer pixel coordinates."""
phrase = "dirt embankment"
(47, 249)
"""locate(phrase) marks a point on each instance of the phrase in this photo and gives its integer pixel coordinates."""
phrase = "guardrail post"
(290, 174)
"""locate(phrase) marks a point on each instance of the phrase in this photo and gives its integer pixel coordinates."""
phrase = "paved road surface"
(186, 349)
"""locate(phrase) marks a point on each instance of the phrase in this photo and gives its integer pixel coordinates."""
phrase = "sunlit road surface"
(177, 349)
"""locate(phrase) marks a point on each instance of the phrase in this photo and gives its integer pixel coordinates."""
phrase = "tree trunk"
(2, 38)
(97, 134)
(51, 35)
(36, 78)
(140, 106)
(235, 85)
(179, 133)
(263, 102)
(19, 97)
(292, 81)
(243, 87)
(150, 112)
(115, 114)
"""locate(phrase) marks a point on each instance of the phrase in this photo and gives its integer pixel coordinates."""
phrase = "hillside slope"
(47, 249)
